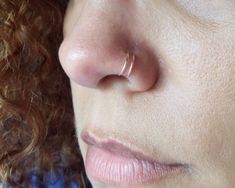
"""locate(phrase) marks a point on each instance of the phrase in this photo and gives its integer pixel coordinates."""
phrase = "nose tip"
(79, 65)
(89, 67)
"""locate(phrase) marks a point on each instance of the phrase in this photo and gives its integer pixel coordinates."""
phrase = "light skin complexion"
(178, 105)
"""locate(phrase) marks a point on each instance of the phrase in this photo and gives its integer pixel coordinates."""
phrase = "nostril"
(112, 81)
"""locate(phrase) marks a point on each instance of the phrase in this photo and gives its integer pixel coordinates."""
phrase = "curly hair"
(37, 130)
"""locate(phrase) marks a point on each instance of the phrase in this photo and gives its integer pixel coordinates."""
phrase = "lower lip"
(109, 168)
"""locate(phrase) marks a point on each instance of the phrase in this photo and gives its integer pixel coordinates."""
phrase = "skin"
(178, 104)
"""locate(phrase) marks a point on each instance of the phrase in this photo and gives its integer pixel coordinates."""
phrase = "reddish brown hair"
(36, 118)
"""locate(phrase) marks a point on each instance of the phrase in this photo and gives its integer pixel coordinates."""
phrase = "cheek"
(201, 62)
(210, 139)
(201, 67)
(209, 131)
(209, 80)
(218, 11)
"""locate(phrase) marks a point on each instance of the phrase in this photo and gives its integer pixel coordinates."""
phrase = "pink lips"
(112, 163)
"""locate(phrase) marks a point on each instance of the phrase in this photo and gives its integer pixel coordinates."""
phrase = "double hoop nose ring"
(129, 59)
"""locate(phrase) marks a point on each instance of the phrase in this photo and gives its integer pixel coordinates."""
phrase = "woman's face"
(171, 123)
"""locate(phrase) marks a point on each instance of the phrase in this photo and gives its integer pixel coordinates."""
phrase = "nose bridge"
(99, 26)
(97, 47)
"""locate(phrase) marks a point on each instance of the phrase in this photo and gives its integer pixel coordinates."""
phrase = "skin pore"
(178, 106)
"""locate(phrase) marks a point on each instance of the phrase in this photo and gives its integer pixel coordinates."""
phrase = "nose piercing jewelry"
(128, 59)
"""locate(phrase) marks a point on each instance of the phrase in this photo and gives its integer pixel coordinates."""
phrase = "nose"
(101, 47)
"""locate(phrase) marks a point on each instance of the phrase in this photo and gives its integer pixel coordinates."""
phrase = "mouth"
(113, 163)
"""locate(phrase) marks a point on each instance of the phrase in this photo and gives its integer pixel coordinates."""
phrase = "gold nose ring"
(128, 59)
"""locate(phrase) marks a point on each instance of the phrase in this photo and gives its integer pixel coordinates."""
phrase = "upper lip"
(118, 148)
